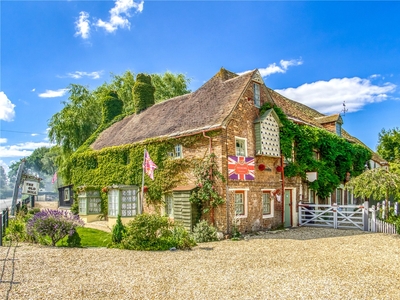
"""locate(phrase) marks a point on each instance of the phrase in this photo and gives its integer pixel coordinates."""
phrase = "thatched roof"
(205, 109)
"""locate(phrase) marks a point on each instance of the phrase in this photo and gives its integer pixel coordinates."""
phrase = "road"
(4, 203)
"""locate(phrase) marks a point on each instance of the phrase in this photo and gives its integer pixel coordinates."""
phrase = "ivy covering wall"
(337, 156)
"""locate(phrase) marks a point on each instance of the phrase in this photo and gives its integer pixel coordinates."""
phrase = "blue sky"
(316, 52)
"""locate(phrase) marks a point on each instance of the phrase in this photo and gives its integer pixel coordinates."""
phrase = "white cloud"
(34, 134)
(119, 15)
(53, 94)
(3, 140)
(328, 96)
(80, 74)
(7, 112)
(22, 149)
(281, 68)
(33, 90)
(82, 25)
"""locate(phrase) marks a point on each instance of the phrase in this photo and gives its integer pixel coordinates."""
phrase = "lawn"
(90, 238)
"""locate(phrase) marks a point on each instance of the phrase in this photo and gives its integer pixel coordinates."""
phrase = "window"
(256, 90)
(113, 196)
(266, 203)
(66, 195)
(240, 147)
(311, 196)
(177, 153)
(338, 129)
(339, 197)
(239, 203)
(350, 197)
(315, 154)
(169, 205)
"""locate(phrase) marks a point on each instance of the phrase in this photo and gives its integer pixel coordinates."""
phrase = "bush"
(53, 225)
(74, 240)
(204, 232)
(118, 231)
(16, 230)
(154, 232)
(182, 238)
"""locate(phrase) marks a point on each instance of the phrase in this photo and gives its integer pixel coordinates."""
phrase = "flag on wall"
(241, 168)
(149, 165)
(54, 179)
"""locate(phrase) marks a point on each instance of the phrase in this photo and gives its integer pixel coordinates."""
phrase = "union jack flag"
(241, 168)
(148, 165)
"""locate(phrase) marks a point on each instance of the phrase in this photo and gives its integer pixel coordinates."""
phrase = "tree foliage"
(389, 144)
(79, 118)
(376, 183)
(169, 85)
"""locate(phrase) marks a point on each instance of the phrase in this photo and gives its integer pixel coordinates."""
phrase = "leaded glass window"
(256, 94)
(169, 205)
(129, 202)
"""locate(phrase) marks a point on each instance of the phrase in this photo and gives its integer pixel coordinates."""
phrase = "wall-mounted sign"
(241, 168)
(30, 187)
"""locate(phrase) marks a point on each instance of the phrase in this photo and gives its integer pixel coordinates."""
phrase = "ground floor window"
(339, 196)
(169, 205)
(267, 205)
(311, 196)
(240, 203)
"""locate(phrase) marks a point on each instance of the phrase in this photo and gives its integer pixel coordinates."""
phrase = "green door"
(288, 208)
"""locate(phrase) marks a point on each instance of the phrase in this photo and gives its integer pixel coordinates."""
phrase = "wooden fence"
(349, 216)
(379, 213)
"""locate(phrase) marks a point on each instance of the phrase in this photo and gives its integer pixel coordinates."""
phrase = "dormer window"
(338, 129)
(256, 90)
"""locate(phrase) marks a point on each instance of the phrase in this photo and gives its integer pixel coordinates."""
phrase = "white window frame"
(169, 197)
(177, 152)
(66, 195)
(272, 204)
(244, 140)
(257, 94)
(244, 192)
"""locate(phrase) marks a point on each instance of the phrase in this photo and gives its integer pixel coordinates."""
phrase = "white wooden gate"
(333, 216)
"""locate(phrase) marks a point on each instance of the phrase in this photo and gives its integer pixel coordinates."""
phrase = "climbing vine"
(207, 176)
(337, 156)
(122, 165)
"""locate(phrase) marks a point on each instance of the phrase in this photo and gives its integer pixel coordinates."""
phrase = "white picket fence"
(378, 213)
(347, 217)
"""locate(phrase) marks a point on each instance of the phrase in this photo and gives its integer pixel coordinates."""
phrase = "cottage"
(256, 136)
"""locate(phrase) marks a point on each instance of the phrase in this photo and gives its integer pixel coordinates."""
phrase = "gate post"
(365, 216)
(335, 220)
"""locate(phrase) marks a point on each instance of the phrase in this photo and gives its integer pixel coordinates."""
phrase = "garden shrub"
(118, 231)
(204, 232)
(16, 230)
(182, 238)
(53, 225)
(154, 232)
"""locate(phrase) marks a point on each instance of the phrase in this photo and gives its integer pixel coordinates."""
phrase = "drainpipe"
(209, 150)
(283, 190)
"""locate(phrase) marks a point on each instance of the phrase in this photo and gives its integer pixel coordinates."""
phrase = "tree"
(376, 183)
(169, 85)
(389, 144)
(79, 118)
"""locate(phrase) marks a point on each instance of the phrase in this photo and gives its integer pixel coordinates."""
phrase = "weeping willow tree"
(378, 183)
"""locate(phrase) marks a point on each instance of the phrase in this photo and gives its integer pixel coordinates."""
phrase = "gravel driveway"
(303, 263)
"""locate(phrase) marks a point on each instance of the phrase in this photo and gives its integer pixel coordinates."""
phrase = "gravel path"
(303, 263)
